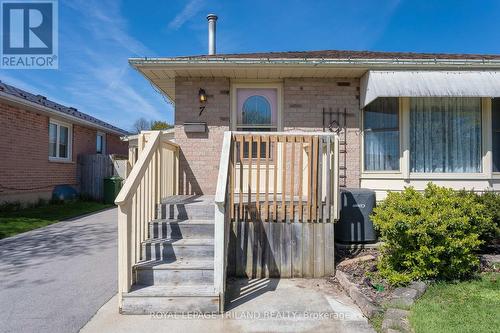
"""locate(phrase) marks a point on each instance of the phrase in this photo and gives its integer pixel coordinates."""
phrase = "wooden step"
(184, 207)
(177, 229)
(171, 250)
(170, 299)
(179, 272)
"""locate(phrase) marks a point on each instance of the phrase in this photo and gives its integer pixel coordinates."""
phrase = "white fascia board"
(56, 114)
(138, 62)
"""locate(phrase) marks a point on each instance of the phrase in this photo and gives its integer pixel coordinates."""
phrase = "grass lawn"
(472, 306)
(15, 222)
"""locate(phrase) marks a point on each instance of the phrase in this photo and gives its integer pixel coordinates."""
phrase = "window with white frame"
(445, 135)
(381, 135)
(256, 110)
(100, 143)
(59, 140)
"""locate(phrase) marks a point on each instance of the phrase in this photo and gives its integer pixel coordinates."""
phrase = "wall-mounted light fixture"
(202, 95)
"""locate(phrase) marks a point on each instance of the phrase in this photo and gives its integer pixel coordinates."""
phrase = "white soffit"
(163, 76)
(428, 84)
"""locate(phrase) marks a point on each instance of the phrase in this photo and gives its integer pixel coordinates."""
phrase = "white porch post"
(124, 248)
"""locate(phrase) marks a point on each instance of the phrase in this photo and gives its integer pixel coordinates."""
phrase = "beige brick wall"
(304, 100)
(200, 153)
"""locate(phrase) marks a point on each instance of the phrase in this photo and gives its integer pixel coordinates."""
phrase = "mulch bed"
(361, 268)
(357, 270)
(363, 272)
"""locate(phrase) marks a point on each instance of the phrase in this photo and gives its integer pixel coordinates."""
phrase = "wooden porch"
(286, 177)
(272, 216)
(282, 196)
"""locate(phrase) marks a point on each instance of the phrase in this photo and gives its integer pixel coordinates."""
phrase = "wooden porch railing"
(222, 217)
(153, 177)
(284, 177)
(273, 177)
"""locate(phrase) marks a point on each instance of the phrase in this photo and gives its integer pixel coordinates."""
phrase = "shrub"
(430, 235)
(491, 200)
(10, 206)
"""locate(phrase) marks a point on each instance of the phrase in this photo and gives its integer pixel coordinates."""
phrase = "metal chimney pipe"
(212, 19)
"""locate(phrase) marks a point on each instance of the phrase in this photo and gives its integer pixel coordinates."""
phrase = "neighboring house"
(133, 144)
(40, 141)
(269, 139)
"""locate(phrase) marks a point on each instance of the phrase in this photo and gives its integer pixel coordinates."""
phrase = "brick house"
(40, 141)
(264, 142)
(270, 138)
(358, 91)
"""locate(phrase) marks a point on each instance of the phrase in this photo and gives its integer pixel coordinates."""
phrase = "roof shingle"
(341, 54)
(64, 110)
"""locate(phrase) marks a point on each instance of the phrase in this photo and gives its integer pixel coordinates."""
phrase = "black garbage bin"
(355, 225)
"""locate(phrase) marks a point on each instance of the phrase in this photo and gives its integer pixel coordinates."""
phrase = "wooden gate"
(92, 169)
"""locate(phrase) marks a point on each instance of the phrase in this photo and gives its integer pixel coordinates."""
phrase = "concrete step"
(184, 207)
(171, 250)
(181, 229)
(179, 299)
(179, 272)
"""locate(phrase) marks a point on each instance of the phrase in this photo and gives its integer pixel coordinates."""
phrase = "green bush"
(10, 206)
(430, 235)
(491, 200)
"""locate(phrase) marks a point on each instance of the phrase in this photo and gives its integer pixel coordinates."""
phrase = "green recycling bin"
(112, 186)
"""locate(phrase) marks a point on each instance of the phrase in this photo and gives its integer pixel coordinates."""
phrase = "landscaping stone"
(370, 293)
(404, 292)
(343, 280)
(396, 319)
(366, 305)
(403, 297)
(419, 286)
(490, 261)
(356, 260)
(390, 330)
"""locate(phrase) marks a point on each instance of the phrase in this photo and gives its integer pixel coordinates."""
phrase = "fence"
(91, 171)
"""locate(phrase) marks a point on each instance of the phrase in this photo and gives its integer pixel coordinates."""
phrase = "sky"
(96, 37)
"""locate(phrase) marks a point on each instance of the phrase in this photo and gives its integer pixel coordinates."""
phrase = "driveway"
(54, 279)
(253, 306)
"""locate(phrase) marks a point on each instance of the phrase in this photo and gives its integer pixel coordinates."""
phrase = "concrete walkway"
(264, 305)
(55, 278)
